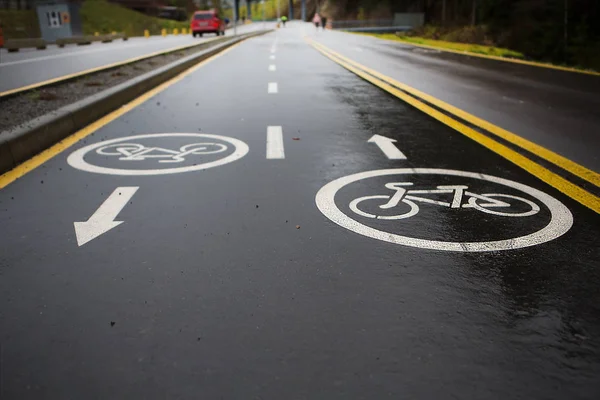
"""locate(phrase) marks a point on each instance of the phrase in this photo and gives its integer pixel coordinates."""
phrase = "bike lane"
(231, 282)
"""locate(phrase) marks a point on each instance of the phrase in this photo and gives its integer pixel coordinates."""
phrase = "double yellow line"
(417, 99)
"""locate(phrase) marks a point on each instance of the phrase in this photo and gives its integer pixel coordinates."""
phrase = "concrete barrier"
(13, 45)
(78, 40)
(85, 40)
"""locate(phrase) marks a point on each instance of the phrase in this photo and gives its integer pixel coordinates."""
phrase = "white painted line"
(273, 87)
(272, 57)
(272, 67)
(273, 49)
(103, 220)
(275, 143)
(358, 49)
(388, 147)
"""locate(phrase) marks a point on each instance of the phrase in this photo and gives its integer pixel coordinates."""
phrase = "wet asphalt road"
(30, 66)
(230, 283)
(555, 109)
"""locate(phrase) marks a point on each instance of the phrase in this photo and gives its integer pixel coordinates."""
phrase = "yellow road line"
(101, 68)
(497, 58)
(542, 152)
(69, 141)
(575, 192)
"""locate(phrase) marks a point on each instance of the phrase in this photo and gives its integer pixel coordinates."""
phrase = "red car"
(207, 22)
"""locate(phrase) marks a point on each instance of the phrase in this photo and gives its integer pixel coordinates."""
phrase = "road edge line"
(562, 162)
(556, 181)
(77, 124)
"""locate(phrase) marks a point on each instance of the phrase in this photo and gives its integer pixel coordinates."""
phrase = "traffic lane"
(210, 282)
(157, 41)
(555, 109)
(24, 69)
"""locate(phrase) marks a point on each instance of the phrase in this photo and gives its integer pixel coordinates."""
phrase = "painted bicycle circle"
(560, 222)
(77, 158)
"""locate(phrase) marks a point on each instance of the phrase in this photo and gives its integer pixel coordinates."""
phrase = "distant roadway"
(31, 66)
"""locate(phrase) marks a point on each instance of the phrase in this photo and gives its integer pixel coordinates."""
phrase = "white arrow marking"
(103, 219)
(388, 147)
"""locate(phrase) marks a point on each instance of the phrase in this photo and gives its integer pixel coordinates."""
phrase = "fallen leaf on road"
(295, 138)
(297, 226)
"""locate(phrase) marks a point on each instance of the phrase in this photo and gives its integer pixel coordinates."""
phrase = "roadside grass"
(19, 24)
(96, 16)
(104, 17)
(455, 46)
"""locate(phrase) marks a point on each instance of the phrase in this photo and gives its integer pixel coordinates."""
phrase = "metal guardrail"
(13, 45)
(379, 29)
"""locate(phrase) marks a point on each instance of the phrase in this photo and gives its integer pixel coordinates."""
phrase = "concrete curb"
(24, 141)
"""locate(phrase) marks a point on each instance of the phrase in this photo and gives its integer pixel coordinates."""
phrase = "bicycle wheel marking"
(130, 152)
(560, 222)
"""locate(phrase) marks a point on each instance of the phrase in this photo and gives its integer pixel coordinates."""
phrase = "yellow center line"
(575, 192)
(548, 155)
(69, 141)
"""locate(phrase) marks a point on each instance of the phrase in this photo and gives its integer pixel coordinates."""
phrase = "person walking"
(324, 22)
(317, 20)
(284, 20)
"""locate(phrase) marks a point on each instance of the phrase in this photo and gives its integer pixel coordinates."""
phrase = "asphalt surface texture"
(553, 108)
(268, 254)
(30, 66)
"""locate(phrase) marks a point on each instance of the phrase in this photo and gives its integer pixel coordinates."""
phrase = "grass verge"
(454, 46)
(104, 17)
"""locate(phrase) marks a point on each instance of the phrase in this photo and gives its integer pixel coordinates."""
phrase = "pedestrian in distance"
(284, 20)
(324, 22)
(317, 20)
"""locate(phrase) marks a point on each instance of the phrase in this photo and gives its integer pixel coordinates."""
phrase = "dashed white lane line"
(272, 67)
(272, 57)
(275, 143)
(273, 87)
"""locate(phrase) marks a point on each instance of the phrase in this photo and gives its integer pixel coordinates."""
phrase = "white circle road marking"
(560, 222)
(76, 159)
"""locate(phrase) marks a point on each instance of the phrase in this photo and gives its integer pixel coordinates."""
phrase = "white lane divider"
(272, 67)
(103, 220)
(272, 57)
(272, 88)
(275, 143)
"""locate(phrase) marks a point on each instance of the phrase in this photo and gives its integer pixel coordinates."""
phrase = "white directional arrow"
(388, 147)
(103, 219)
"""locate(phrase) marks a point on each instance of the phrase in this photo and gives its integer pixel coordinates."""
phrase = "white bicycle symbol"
(402, 203)
(139, 152)
(481, 202)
